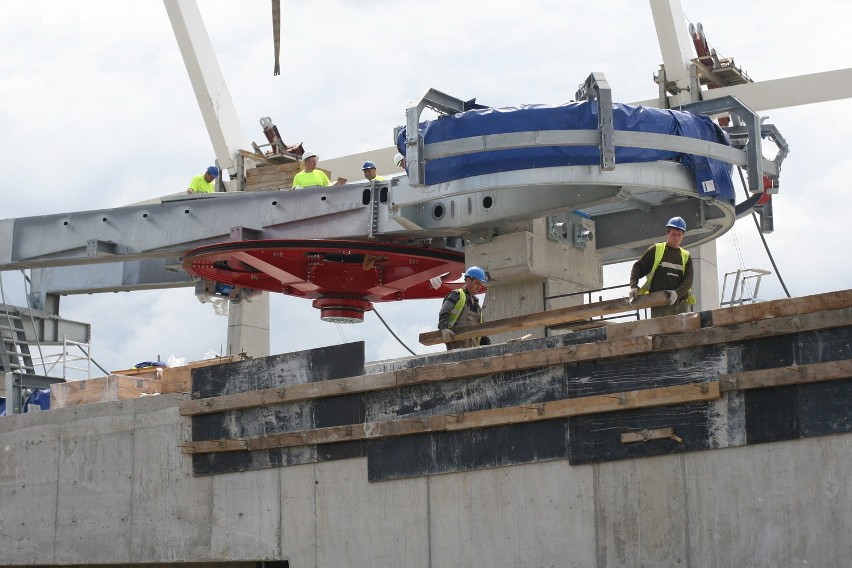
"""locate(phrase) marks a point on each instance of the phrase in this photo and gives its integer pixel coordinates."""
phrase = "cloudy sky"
(96, 111)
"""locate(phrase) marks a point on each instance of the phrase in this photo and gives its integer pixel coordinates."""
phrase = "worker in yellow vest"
(667, 267)
(204, 182)
(369, 169)
(310, 176)
(461, 308)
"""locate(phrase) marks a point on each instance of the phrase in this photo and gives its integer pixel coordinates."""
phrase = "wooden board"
(141, 372)
(519, 414)
(101, 389)
(276, 371)
(805, 407)
(179, 379)
(782, 308)
(487, 365)
(538, 400)
(550, 317)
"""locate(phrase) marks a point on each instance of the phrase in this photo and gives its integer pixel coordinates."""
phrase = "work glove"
(631, 297)
(447, 335)
(672, 297)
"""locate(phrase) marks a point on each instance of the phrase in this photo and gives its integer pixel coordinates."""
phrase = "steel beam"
(167, 230)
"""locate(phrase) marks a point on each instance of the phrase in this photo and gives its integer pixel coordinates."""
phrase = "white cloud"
(98, 112)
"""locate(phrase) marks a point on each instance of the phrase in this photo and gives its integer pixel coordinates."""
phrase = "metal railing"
(588, 298)
(743, 290)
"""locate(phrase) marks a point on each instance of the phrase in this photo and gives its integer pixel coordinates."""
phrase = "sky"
(97, 111)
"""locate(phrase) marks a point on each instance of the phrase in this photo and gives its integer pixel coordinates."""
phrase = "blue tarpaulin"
(572, 116)
(40, 398)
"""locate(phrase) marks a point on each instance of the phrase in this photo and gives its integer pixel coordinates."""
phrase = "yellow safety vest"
(659, 249)
(458, 309)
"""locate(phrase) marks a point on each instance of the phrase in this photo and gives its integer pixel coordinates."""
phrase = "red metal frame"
(343, 277)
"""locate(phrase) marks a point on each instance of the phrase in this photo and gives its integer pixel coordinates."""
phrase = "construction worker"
(204, 182)
(667, 267)
(369, 169)
(461, 307)
(310, 176)
(399, 160)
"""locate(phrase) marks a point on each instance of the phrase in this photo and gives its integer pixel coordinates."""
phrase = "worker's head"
(310, 159)
(475, 279)
(399, 160)
(369, 169)
(211, 174)
(675, 229)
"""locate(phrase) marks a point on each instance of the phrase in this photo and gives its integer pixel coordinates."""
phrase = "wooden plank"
(421, 375)
(655, 326)
(179, 379)
(575, 314)
(647, 435)
(101, 389)
(796, 374)
(550, 317)
(757, 329)
(519, 361)
(782, 308)
(141, 372)
(273, 169)
(566, 408)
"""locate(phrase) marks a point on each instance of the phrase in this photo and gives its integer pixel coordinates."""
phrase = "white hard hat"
(307, 155)
(398, 159)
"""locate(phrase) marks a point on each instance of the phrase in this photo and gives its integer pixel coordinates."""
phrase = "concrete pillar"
(705, 272)
(527, 266)
(248, 327)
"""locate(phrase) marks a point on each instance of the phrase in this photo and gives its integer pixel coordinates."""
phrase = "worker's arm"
(642, 267)
(686, 284)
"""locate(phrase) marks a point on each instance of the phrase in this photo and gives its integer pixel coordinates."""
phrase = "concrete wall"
(106, 483)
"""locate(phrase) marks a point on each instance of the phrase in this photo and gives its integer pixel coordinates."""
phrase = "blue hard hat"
(368, 166)
(676, 223)
(213, 171)
(476, 273)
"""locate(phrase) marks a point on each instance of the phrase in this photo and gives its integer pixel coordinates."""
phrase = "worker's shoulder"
(454, 295)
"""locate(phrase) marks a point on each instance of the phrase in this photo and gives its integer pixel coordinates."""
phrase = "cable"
(765, 245)
(340, 332)
(378, 315)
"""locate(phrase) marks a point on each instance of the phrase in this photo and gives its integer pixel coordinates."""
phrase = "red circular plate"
(343, 277)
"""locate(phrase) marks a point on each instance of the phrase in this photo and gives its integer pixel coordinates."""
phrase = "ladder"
(16, 362)
(15, 354)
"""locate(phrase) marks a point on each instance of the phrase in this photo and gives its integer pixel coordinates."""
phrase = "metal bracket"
(568, 231)
(440, 103)
(95, 248)
(596, 88)
(751, 121)
(16, 383)
(480, 237)
(245, 234)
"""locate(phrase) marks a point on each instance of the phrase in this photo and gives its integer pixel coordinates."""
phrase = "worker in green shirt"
(204, 182)
(310, 176)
